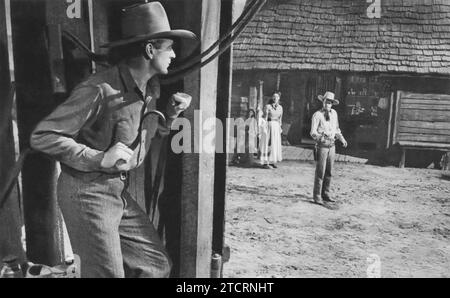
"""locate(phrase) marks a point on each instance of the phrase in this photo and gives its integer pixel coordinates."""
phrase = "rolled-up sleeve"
(55, 135)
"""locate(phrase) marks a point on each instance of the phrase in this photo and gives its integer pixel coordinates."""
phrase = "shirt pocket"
(125, 123)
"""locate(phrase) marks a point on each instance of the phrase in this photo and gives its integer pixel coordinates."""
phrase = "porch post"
(197, 189)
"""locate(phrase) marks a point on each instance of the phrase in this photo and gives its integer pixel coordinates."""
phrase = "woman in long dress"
(271, 148)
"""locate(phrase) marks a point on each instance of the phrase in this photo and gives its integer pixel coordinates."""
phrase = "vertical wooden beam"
(198, 168)
(389, 128)
(402, 158)
(261, 94)
(10, 215)
(278, 80)
(36, 98)
(252, 96)
(223, 112)
(396, 116)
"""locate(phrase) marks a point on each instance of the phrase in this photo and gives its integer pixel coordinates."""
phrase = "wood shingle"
(411, 36)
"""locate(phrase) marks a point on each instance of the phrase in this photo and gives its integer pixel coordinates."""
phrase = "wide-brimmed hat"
(144, 22)
(328, 96)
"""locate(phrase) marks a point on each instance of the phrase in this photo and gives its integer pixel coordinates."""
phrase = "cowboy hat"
(328, 96)
(144, 22)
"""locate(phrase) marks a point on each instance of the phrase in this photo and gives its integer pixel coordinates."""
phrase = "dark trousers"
(108, 230)
(324, 170)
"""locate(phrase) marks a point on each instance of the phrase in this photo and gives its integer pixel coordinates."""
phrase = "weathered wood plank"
(428, 131)
(407, 95)
(413, 144)
(424, 115)
(425, 101)
(433, 107)
(423, 138)
(424, 124)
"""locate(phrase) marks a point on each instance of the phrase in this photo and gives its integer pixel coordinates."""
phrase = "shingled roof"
(411, 36)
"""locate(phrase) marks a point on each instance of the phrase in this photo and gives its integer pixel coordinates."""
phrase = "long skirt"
(271, 144)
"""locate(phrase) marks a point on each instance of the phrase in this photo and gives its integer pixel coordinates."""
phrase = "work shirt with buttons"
(101, 111)
(320, 128)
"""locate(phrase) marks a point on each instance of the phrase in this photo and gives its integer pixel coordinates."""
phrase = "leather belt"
(123, 175)
(325, 146)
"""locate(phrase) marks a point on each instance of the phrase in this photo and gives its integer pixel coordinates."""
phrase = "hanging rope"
(243, 20)
(191, 63)
(176, 75)
(187, 66)
(101, 59)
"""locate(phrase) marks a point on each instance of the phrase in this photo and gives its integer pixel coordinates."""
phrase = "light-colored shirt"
(322, 130)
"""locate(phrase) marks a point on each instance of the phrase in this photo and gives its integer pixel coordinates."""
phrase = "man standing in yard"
(325, 130)
(98, 134)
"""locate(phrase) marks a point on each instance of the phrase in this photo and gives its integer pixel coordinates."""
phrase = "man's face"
(276, 98)
(162, 57)
(327, 104)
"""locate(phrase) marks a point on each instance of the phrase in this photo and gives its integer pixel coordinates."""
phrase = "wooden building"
(39, 57)
(363, 52)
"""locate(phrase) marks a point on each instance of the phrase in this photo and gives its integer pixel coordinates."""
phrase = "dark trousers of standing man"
(324, 170)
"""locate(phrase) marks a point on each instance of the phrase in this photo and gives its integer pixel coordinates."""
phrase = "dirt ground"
(397, 218)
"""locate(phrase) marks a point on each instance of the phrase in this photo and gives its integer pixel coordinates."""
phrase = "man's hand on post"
(119, 156)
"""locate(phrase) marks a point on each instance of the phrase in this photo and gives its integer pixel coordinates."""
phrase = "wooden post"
(198, 168)
(396, 116)
(261, 95)
(223, 112)
(40, 23)
(11, 220)
(402, 158)
(252, 98)
(278, 81)
(391, 111)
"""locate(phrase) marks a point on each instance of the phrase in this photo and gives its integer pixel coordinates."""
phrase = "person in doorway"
(324, 130)
(244, 156)
(98, 134)
(271, 148)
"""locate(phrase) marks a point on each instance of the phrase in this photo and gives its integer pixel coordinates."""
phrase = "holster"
(316, 151)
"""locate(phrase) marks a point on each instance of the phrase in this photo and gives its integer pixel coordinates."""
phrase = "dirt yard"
(399, 217)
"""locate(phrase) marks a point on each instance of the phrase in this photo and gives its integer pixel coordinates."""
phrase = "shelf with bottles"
(365, 98)
(362, 106)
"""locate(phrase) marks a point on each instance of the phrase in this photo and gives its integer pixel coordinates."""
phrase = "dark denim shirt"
(101, 111)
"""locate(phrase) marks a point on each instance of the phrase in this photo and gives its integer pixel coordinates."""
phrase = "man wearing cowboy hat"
(93, 134)
(324, 130)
